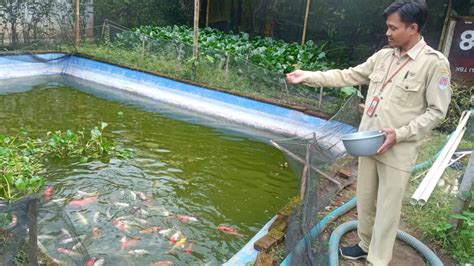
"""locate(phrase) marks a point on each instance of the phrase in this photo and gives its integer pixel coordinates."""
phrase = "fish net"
(323, 168)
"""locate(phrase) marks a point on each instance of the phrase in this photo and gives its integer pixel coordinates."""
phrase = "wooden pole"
(77, 24)
(196, 28)
(208, 2)
(303, 39)
(33, 232)
(445, 26)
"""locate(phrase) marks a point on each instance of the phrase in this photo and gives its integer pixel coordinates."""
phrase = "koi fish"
(96, 232)
(186, 219)
(59, 201)
(134, 195)
(165, 232)
(162, 263)
(189, 248)
(175, 237)
(150, 230)
(76, 246)
(72, 239)
(138, 252)
(121, 204)
(139, 211)
(228, 230)
(94, 262)
(142, 196)
(48, 193)
(99, 262)
(124, 243)
(82, 202)
(82, 218)
(68, 252)
(87, 194)
(179, 244)
(96, 217)
(120, 225)
(90, 262)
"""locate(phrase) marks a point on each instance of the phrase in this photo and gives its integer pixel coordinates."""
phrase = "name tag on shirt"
(373, 106)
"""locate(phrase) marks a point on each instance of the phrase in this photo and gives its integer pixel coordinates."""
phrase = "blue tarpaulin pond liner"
(207, 102)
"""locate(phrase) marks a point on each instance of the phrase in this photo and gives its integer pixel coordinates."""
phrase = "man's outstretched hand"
(296, 76)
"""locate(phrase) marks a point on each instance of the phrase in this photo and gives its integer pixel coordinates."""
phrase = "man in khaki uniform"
(408, 95)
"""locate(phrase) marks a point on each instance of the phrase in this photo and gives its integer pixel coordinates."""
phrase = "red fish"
(48, 193)
(96, 232)
(228, 230)
(189, 248)
(82, 202)
(90, 262)
(150, 230)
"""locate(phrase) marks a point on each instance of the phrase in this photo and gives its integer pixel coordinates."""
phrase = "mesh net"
(317, 161)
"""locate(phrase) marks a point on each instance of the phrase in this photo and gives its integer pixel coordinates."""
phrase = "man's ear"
(413, 28)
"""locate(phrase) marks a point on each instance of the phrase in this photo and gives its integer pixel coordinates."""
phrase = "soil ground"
(403, 254)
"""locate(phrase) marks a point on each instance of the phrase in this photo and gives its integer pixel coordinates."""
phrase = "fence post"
(226, 74)
(33, 231)
(463, 197)
(320, 97)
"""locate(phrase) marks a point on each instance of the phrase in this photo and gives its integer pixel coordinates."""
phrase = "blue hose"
(427, 163)
(352, 225)
(316, 230)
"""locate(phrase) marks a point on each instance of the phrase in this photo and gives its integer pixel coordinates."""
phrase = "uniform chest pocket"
(376, 79)
(407, 93)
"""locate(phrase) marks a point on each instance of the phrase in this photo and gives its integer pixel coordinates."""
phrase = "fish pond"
(194, 192)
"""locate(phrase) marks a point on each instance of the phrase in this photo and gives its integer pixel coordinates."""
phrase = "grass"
(431, 220)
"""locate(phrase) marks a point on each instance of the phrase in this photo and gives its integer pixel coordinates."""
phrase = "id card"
(373, 106)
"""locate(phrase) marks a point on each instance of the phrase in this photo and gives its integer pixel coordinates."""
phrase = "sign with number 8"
(467, 40)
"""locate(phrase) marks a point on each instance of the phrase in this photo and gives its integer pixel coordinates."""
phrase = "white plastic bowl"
(365, 143)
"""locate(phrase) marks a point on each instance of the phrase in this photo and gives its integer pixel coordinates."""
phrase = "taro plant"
(22, 158)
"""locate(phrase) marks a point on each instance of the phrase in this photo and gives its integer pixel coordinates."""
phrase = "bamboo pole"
(77, 23)
(208, 2)
(303, 38)
(196, 28)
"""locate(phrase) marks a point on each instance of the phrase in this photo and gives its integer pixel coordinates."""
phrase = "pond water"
(196, 174)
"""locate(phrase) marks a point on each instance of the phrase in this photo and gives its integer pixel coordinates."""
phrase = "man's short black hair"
(410, 11)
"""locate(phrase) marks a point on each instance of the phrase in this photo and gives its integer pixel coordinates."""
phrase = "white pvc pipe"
(444, 153)
(437, 175)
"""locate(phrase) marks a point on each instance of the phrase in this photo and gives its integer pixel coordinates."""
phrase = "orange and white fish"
(125, 244)
(48, 193)
(120, 225)
(82, 202)
(186, 219)
(150, 230)
(179, 244)
(228, 230)
(96, 232)
(175, 237)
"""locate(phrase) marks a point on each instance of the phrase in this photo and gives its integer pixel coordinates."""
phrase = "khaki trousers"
(380, 190)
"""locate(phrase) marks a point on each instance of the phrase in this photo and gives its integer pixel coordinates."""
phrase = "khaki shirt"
(413, 102)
